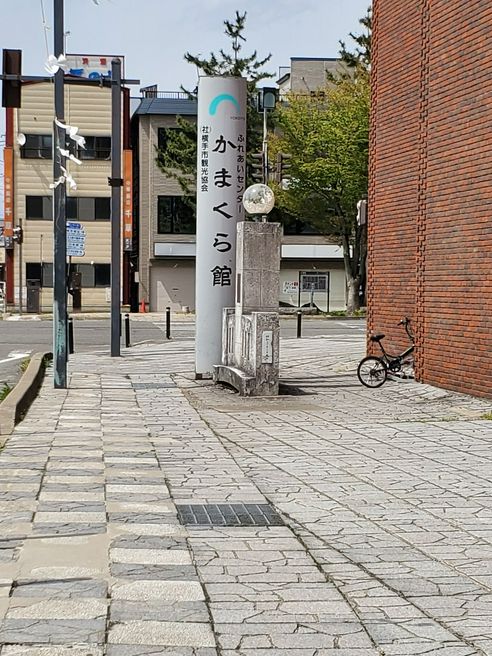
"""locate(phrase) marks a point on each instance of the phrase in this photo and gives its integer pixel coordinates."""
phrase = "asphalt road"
(19, 339)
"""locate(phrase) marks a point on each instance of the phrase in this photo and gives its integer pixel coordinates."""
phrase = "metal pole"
(265, 145)
(299, 324)
(59, 218)
(127, 330)
(70, 335)
(168, 323)
(116, 184)
(20, 272)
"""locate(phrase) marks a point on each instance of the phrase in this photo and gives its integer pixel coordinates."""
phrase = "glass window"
(44, 273)
(317, 282)
(96, 148)
(39, 208)
(102, 273)
(33, 271)
(47, 279)
(102, 209)
(71, 208)
(86, 209)
(164, 214)
(87, 273)
(298, 227)
(184, 217)
(175, 216)
(37, 146)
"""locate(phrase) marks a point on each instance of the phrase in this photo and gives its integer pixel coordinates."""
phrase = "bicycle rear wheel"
(372, 371)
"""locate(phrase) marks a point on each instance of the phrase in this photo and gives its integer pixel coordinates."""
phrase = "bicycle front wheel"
(372, 371)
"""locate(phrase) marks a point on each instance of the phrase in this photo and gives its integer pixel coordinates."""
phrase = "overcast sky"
(153, 35)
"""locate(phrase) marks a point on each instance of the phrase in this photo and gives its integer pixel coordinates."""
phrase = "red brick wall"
(430, 220)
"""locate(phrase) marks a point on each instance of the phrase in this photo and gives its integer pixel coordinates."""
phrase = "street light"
(267, 99)
(259, 200)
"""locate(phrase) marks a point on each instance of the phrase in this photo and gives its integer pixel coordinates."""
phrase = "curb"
(16, 404)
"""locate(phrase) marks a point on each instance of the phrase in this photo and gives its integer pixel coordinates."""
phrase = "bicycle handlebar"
(404, 322)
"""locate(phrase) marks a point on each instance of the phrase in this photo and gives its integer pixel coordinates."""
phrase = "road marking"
(15, 355)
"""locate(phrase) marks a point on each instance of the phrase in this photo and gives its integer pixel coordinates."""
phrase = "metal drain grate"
(229, 514)
(144, 386)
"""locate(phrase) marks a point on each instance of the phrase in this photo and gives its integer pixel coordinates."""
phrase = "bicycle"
(374, 370)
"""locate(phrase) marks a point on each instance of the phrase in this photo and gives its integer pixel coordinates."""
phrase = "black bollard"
(299, 324)
(168, 323)
(70, 335)
(127, 330)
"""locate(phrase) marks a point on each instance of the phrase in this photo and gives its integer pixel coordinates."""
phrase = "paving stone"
(156, 572)
(56, 632)
(38, 650)
(172, 634)
(77, 589)
(149, 542)
(151, 556)
(187, 611)
(158, 590)
(142, 650)
(54, 609)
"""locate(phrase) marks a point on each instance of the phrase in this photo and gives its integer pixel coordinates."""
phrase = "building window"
(297, 227)
(92, 275)
(39, 208)
(102, 273)
(314, 282)
(37, 146)
(88, 209)
(175, 216)
(96, 148)
(42, 272)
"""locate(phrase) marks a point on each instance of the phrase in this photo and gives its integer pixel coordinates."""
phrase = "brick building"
(430, 229)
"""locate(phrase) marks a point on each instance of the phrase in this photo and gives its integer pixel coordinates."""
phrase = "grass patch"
(343, 313)
(4, 391)
(24, 364)
(487, 415)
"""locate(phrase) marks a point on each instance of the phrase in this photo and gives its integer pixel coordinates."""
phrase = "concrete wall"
(172, 283)
(430, 234)
(310, 74)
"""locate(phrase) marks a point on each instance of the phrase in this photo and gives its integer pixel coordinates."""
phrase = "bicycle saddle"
(377, 338)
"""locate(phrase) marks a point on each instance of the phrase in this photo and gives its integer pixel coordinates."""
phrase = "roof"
(169, 106)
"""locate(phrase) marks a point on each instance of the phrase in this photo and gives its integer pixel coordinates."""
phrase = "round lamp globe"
(258, 199)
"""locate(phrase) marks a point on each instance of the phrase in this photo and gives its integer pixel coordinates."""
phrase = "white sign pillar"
(221, 175)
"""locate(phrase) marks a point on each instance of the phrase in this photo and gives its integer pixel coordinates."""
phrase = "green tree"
(178, 158)
(361, 57)
(327, 138)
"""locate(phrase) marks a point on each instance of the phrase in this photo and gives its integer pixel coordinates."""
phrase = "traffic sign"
(75, 239)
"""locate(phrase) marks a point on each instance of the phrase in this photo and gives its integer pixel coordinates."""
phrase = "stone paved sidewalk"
(382, 545)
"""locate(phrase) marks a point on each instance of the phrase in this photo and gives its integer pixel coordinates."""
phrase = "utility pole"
(116, 184)
(60, 324)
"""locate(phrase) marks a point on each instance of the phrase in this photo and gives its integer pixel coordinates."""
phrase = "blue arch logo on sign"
(222, 97)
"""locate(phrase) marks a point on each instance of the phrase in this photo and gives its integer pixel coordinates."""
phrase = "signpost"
(221, 174)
